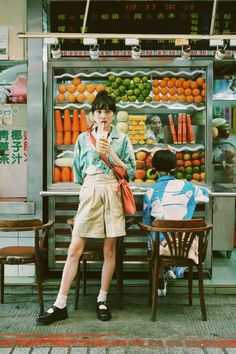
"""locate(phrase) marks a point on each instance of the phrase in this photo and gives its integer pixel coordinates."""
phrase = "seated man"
(170, 199)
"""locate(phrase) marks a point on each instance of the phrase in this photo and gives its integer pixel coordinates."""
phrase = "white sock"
(102, 296)
(60, 301)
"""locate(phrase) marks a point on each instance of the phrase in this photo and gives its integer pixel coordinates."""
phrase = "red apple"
(148, 161)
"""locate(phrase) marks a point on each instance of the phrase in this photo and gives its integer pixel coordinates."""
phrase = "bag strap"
(103, 156)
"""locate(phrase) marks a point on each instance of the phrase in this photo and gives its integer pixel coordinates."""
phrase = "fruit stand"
(175, 91)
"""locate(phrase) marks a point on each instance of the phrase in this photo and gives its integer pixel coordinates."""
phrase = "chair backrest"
(183, 239)
(28, 225)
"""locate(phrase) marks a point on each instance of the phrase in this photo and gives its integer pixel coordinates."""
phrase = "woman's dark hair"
(103, 101)
(164, 160)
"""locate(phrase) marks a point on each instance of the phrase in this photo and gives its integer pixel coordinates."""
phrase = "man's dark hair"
(164, 160)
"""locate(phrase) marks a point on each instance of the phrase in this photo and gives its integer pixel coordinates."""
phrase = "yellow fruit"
(61, 97)
(62, 88)
(71, 88)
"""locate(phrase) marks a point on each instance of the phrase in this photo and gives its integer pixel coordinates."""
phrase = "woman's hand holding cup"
(102, 144)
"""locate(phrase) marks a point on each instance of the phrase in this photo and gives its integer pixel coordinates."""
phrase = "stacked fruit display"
(179, 89)
(129, 89)
(144, 169)
(191, 165)
(75, 90)
(137, 129)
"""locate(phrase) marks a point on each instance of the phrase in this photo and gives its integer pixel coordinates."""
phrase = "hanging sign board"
(146, 17)
(3, 42)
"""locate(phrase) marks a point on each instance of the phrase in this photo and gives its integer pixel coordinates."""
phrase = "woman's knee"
(109, 249)
(76, 249)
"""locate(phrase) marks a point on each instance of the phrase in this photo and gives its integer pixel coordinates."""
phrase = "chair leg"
(201, 293)
(77, 287)
(190, 285)
(2, 283)
(155, 276)
(39, 285)
(150, 283)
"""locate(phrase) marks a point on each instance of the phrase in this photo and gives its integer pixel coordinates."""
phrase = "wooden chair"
(25, 254)
(179, 238)
(93, 252)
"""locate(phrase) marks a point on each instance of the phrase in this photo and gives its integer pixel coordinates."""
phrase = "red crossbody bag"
(120, 173)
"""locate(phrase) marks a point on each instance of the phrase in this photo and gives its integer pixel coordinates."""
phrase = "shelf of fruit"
(139, 89)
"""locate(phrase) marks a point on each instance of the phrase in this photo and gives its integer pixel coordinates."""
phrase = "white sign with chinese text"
(3, 42)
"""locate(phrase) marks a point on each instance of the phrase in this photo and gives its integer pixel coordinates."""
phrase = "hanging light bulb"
(186, 52)
(94, 52)
(220, 53)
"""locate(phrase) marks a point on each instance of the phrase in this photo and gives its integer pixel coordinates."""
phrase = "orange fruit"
(155, 83)
(189, 99)
(166, 78)
(181, 98)
(202, 160)
(198, 99)
(180, 90)
(196, 162)
(202, 176)
(157, 98)
(187, 163)
(165, 98)
(180, 162)
(61, 97)
(156, 90)
(90, 97)
(188, 91)
(196, 176)
(203, 93)
(100, 87)
(179, 155)
(76, 81)
(172, 91)
(164, 91)
(81, 97)
(200, 81)
(196, 92)
(62, 88)
(163, 83)
(186, 84)
(187, 156)
(195, 155)
(204, 85)
(81, 88)
(90, 88)
(71, 97)
(194, 85)
(71, 88)
(178, 83)
(173, 98)
(170, 83)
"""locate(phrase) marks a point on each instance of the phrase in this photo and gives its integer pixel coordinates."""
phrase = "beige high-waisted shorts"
(100, 213)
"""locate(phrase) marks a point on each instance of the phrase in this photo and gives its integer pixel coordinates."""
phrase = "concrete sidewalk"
(178, 329)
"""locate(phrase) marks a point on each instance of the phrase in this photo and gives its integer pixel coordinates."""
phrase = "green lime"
(126, 82)
(108, 83)
(137, 92)
(188, 176)
(111, 78)
(114, 85)
(141, 98)
(141, 86)
(132, 98)
(202, 168)
(145, 92)
(116, 92)
(196, 169)
(124, 98)
(179, 175)
(130, 92)
(188, 169)
(148, 85)
(119, 80)
(144, 79)
(109, 90)
(132, 86)
(122, 89)
(136, 80)
(148, 99)
(117, 99)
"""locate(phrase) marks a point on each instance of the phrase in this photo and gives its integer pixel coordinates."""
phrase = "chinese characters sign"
(13, 144)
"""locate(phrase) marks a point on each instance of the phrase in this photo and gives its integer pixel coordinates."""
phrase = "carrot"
(65, 174)
(58, 121)
(59, 138)
(57, 174)
(67, 121)
(67, 138)
(74, 137)
(75, 121)
(83, 121)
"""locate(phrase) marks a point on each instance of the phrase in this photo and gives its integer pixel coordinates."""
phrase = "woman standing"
(100, 213)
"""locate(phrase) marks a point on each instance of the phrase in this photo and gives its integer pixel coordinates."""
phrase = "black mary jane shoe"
(53, 314)
(103, 311)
